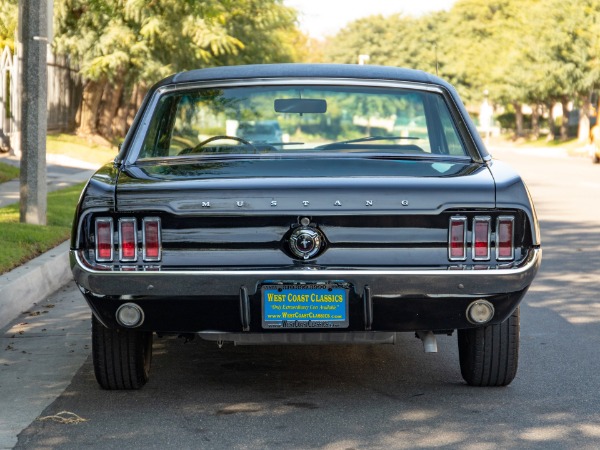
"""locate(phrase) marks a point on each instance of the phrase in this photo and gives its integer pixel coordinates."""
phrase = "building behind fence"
(64, 96)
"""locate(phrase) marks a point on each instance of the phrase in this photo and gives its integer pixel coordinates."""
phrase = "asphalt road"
(341, 397)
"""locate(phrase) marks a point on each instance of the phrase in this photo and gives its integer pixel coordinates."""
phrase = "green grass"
(23, 242)
(8, 172)
(80, 148)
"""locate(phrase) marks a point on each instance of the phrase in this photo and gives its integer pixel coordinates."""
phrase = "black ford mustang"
(367, 205)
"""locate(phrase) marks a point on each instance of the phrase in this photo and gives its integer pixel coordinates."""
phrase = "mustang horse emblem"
(305, 242)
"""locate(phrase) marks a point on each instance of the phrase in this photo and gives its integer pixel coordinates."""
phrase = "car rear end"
(324, 237)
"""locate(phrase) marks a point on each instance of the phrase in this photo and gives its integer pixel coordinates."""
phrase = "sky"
(320, 18)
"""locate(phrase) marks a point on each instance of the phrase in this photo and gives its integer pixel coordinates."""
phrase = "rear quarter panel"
(511, 192)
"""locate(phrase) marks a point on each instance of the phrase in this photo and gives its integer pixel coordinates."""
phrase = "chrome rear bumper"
(381, 281)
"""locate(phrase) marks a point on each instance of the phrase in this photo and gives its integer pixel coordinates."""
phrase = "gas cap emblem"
(305, 242)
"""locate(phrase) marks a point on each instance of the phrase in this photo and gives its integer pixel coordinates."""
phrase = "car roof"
(305, 71)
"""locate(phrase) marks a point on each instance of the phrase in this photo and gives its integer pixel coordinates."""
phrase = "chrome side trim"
(392, 282)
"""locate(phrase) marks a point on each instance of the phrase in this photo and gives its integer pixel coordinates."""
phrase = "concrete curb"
(33, 281)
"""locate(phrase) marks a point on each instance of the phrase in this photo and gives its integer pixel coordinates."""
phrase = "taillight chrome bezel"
(146, 221)
(122, 257)
(511, 220)
(487, 220)
(462, 220)
(110, 223)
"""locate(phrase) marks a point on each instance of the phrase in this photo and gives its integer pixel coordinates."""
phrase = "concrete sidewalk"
(44, 326)
(40, 351)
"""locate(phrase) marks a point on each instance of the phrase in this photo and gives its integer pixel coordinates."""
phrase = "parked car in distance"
(267, 131)
(595, 144)
(382, 214)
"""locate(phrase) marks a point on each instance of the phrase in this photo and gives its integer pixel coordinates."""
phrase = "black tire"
(121, 357)
(489, 355)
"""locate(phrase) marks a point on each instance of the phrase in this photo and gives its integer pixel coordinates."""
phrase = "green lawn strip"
(8, 172)
(79, 148)
(22, 242)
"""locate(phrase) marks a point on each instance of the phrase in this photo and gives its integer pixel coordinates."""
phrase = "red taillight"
(457, 248)
(127, 240)
(505, 249)
(104, 239)
(152, 244)
(481, 238)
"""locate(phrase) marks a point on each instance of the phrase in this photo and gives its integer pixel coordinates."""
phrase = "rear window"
(306, 119)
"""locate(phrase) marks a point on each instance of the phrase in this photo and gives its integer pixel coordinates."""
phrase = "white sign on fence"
(64, 96)
(8, 97)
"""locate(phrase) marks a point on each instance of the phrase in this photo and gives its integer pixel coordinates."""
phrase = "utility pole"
(33, 78)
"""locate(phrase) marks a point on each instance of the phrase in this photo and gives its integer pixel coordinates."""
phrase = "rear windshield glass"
(307, 119)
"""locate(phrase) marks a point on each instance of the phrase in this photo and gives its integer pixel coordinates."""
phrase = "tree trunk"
(127, 113)
(92, 95)
(120, 123)
(535, 121)
(518, 119)
(564, 124)
(109, 106)
(583, 132)
(551, 121)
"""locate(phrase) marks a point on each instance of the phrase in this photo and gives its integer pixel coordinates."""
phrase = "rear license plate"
(294, 306)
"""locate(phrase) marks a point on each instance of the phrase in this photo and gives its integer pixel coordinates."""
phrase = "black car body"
(379, 212)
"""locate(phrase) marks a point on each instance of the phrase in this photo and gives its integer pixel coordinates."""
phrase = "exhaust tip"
(130, 315)
(429, 341)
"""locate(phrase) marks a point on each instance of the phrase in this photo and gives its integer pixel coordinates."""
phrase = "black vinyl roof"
(306, 71)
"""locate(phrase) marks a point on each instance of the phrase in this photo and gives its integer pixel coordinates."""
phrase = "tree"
(122, 46)
(570, 55)
(9, 14)
(367, 36)
(535, 52)
(266, 30)
(465, 47)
